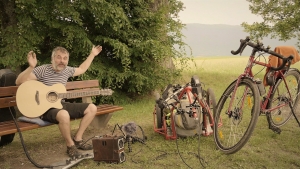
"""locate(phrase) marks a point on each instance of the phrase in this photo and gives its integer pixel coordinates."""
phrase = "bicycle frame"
(192, 97)
(248, 73)
(265, 102)
(245, 98)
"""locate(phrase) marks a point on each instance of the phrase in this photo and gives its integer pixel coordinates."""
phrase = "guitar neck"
(77, 94)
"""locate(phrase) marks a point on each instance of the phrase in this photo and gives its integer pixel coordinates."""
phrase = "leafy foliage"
(137, 36)
(280, 19)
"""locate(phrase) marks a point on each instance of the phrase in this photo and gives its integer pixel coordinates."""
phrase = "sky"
(229, 12)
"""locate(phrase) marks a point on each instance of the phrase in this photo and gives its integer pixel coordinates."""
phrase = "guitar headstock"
(106, 92)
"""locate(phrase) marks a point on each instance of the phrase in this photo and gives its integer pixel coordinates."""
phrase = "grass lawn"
(265, 149)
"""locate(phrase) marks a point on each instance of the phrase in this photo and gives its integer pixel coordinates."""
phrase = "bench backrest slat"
(7, 102)
(82, 84)
(8, 91)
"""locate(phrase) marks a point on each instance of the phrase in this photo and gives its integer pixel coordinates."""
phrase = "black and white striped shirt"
(47, 75)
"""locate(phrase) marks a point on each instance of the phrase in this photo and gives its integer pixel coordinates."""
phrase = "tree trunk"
(168, 62)
(8, 16)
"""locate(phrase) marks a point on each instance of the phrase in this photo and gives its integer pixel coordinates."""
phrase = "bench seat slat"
(9, 127)
(104, 109)
(8, 99)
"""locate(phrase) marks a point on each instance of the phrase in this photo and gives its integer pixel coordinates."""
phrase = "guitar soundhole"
(52, 97)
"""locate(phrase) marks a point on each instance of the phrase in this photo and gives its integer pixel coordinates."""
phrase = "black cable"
(201, 160)
(120, 128)
(198, 150)
(143, 133)
(198, 155)
(25, 149)
(131, 139)
(159, 157)
(135, 139)
(88, 139)
(261, 54)
(23, 145)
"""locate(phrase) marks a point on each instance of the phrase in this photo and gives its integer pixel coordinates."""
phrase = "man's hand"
(31, 58)
(96, 50)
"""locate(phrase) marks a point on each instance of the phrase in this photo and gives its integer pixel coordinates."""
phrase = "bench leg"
(100, 121)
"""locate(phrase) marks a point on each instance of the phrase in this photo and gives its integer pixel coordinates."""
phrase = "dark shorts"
(76, 110)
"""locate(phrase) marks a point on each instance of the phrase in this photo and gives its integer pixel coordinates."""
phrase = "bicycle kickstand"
(274, 128)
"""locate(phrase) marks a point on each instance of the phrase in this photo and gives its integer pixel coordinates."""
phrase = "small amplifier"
(109, 149)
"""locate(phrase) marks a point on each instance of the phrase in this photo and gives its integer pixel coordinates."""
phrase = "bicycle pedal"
(276, 130)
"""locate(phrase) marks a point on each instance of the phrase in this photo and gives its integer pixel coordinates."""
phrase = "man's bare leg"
(88, 117)
(63, 118)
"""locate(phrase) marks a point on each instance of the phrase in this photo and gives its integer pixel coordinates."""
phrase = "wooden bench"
(8, 99)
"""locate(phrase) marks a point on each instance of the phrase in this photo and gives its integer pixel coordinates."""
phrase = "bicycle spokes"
(239, 106)
(237, 109)
(285, 93)
(232, 133)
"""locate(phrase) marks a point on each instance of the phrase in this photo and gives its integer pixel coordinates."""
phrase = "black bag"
(7, 78)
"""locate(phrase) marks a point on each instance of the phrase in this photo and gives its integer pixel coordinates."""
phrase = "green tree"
(137, 36)
(281, 19)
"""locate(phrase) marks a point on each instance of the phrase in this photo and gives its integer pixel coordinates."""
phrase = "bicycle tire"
(211, 101)
(227, 140)
(6, 139)
(6, 115)
(281, 116)
(158, 112)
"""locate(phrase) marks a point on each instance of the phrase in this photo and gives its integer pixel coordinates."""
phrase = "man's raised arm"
(86, 64)
(27, 74)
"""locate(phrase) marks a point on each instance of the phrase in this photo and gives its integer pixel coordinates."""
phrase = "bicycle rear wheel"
(280, 95)
(211, 101)
(237, 123)
(159, 116)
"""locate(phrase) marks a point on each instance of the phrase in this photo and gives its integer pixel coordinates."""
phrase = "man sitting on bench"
(59, 72)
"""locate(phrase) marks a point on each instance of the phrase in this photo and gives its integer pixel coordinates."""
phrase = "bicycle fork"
(235, 112)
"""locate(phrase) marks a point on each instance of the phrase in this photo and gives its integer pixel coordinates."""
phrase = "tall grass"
(264, 150)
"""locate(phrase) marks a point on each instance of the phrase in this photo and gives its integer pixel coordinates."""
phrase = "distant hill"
(219, 40)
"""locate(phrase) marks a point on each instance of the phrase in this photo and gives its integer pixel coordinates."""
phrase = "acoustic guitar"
(34, 98)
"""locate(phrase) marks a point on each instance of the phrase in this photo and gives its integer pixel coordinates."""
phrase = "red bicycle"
(240, 105)
(185, 110)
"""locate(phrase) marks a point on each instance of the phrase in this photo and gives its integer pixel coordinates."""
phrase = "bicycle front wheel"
(236, 121)
(280, 95)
